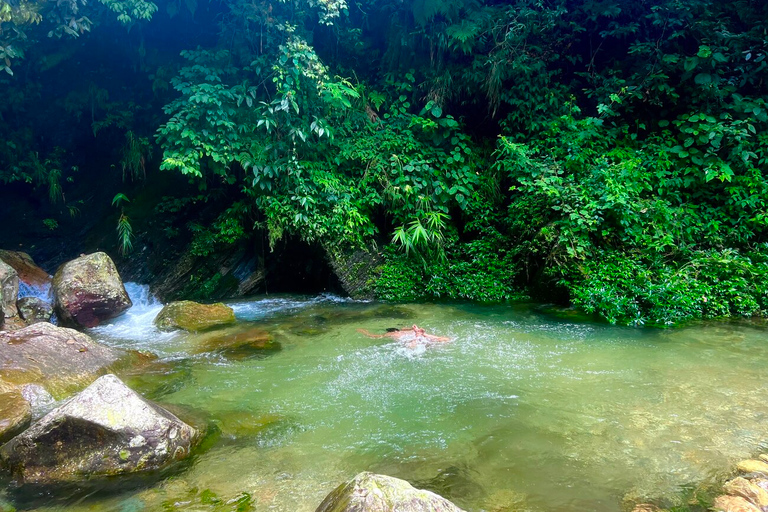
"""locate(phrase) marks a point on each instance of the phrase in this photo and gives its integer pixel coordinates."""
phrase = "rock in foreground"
(368, 492)
(58, 358)
(192, 316)
(106, 430)
(88, 291)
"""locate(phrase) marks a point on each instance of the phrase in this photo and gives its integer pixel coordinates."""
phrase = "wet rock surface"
(239, 343)
(15, 411)
(734, 504)
(57, 358)
(106, 430)
(193, 316)
(369, 492)
(33, 310)
(9, 291)
(88, 290)
(28, 271)
(39, 400)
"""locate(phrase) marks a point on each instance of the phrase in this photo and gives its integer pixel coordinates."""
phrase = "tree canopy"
(611, 149)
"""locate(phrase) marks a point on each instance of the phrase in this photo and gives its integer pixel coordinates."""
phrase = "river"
(525, 409)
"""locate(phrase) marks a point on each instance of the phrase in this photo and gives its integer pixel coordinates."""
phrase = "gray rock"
(106, 430)
(60, 359)
(88, 291)
(9, 290)
(33, 310)
(368, 492)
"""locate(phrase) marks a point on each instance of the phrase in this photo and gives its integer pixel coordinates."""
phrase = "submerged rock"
(33, 310)
(9, 290)
(747, 490)
(58, 358)
(368, 492)
(733, 504)
(193, 316)
(105, 430)
(88, 291)
(29, 273)
(239, 344)
(15, 411)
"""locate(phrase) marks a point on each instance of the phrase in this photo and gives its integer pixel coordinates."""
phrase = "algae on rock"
(105, 430)
(193, 316)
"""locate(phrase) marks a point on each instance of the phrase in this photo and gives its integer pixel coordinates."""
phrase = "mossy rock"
(15, 411)
(193, 316)
(105, 431)
(239, 343)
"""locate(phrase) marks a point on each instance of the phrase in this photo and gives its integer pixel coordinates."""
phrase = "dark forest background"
(606, 153)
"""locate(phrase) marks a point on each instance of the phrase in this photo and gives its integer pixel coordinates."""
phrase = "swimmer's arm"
(436, 338)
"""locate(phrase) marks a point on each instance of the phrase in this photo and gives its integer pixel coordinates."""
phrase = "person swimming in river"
(414, 334)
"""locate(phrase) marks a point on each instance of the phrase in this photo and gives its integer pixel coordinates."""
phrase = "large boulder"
(88, 291)
(368, 492)
(15, 411)
(9, 290)
(106, 430)
(192, 316)
(29, 273)
(60, 359)
(33, 310)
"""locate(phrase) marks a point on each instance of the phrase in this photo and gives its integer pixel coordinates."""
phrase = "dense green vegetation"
(610, 151)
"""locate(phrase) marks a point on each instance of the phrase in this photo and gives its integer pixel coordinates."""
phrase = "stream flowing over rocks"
(105, 430)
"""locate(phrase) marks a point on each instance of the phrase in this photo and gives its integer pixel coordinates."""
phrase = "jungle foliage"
(613, 149)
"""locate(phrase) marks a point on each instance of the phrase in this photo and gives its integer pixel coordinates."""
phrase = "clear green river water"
(522, 410)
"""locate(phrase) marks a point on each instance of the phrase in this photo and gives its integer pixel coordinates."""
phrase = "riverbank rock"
(747, 490)
(33, 310)
(106, 430)
(59, 359)
(193, 316)
(368, 492)
(356, 271)
(88, 291)
(9, 290)
(29, 273)
(15, 411)
(733, 504)
(753, 466)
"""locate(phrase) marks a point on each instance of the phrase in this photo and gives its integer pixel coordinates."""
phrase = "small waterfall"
(135, 328)
(41, 292)
(140, 296)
